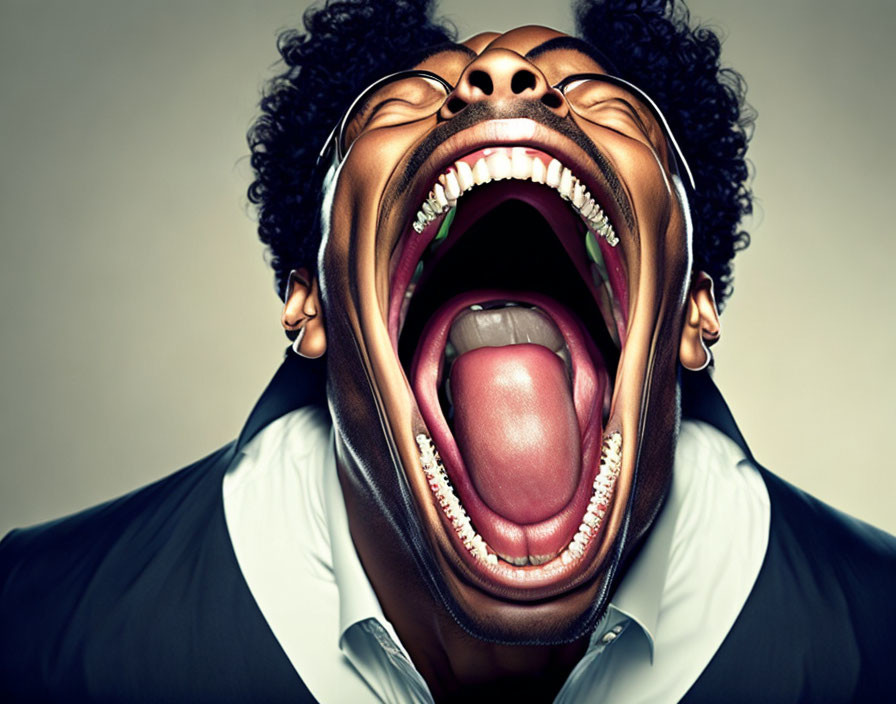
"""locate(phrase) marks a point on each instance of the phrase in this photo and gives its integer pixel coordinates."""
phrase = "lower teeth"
(441, 487)
(601, 495)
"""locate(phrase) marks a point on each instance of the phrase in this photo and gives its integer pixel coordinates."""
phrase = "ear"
(302, 318)
(701, 327)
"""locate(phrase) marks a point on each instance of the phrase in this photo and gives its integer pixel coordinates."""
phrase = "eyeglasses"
(393, 100)
(408, 96)
(610, 101)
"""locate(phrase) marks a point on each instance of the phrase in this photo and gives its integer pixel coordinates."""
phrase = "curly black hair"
(347, 44)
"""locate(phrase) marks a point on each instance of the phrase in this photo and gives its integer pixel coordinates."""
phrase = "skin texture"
(672, 318)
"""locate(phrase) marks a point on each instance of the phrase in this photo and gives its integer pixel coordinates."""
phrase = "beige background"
(138, 319)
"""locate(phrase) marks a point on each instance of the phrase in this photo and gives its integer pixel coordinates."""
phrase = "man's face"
(502, 361)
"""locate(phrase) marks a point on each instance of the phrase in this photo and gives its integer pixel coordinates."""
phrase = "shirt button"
(608, 637)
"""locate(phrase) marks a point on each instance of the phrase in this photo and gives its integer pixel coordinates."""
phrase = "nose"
(498, 75)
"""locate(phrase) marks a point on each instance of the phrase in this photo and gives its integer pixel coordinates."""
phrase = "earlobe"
(302, 318)
(701, 327)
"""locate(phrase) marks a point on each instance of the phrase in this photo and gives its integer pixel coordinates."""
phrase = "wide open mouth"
(508, 310)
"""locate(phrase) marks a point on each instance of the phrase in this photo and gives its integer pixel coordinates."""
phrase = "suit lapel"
(702, 400)
(298, 382)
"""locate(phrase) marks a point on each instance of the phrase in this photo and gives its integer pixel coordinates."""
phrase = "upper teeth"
(513, 163)
(501, 325)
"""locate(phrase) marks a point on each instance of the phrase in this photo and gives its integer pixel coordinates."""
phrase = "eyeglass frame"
(334, 139)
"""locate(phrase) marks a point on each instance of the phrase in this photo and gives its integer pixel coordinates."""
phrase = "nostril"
(522, 80)
(482, 81)
(455, 105)
(552, 100)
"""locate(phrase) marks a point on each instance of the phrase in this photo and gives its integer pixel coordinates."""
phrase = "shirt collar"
(298, 382)
(639, 595)
(357, 600)
(702, 400)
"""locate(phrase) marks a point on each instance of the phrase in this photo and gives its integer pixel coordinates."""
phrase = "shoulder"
(845, 571)
(136, 598)
(819, 620)
(142, 598)
(122, 529)
(857, 556)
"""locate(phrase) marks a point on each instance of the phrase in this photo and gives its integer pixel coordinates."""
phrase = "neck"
(459, 667)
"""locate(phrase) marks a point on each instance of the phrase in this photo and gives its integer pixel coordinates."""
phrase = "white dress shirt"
(288, 525)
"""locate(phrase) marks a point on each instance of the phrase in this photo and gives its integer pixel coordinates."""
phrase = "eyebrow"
(574, 44)
(449, 47)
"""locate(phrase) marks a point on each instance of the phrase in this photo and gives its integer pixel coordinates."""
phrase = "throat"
(465, 669)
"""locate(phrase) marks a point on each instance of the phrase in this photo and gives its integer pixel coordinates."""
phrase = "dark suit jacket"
(142, 599)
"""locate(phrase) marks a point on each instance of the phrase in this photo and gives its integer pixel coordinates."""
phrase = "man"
(505, 254)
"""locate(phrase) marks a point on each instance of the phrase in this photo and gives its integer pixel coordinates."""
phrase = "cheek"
(660, 243)
(657, 457)
(370, 164)
(641, 169)
(679, 256)
(663, 417)
(376, 154)
(352, 405)
(637, 161)
(350, 238)
(378, 150)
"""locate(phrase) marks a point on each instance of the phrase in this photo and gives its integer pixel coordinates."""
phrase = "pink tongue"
(516, 428)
